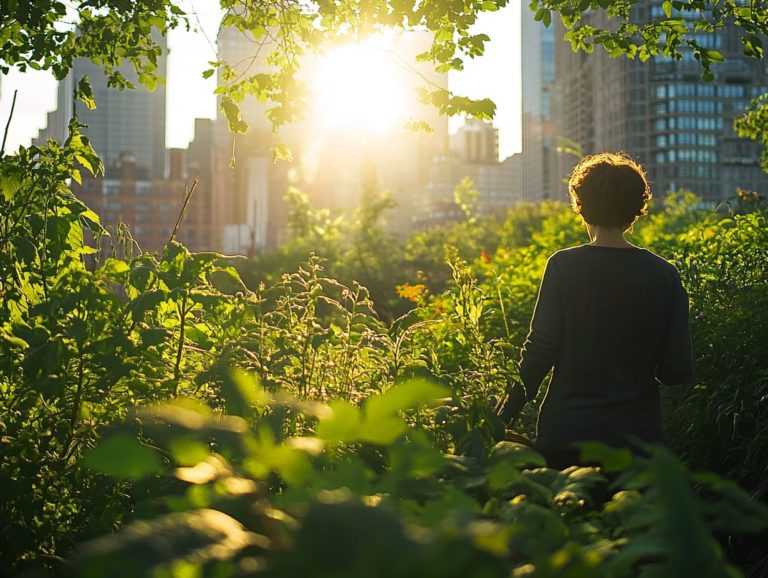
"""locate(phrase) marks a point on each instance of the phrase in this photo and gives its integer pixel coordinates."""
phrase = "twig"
(187, 196)
(8, 124)
(180, 350)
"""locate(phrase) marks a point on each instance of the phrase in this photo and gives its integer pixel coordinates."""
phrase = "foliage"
(284, 32)
(50, 34)
(81, 346)
(321, 463)
(364, 496)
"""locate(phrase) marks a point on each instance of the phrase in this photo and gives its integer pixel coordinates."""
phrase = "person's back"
(611, 319)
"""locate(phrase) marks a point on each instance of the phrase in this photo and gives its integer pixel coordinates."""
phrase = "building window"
(111, 187)
(143, 188)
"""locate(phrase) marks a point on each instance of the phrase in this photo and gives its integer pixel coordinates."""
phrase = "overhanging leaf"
(123, 456)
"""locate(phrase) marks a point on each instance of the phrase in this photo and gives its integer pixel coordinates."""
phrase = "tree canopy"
(49, 34)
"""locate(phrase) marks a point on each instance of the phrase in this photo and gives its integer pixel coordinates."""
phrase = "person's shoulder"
(659, 261)
(567, 254)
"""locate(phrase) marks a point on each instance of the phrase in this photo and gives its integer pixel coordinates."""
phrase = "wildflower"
(413, 293)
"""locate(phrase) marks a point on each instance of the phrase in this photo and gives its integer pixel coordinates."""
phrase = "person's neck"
(608, 237)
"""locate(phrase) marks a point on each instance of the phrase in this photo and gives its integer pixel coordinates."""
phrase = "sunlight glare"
(360, 85)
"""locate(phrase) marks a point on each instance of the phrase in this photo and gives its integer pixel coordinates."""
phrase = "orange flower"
(414, 293)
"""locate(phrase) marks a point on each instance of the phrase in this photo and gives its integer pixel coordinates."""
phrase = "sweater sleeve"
(675, 364)
(542, 347)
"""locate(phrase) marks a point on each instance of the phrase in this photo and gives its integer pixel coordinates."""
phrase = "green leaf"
(9, 184)
(444, 35)
(382, 430)
(232, 113)
(517, 454)
(714, 56)
(242, 392)
(667, 7)
(113, 268)
(292, 464)
(146, 301)
(124, 457)
(691, 550)
(341, 425)
(281, 152)
(84, 93)
(187, 451)
(612, 459)
(176, 545)
(407, 395)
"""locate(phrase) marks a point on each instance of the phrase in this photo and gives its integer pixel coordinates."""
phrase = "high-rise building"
(474, 154)
(127, 130)
(476, 142)
(538, 163)
(249, 215)
(662, 113)
(125, 122)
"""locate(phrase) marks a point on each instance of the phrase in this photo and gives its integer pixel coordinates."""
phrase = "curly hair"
(609, 190)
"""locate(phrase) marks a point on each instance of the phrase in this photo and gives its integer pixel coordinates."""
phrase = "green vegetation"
(333, 414)
(41, 35)
(256, 416)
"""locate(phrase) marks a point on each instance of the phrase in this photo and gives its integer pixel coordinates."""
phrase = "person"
(611, 320)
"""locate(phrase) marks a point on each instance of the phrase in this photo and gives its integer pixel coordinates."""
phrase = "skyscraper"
(249, 213)
(662, 113)
(539, 175)
(124, 122)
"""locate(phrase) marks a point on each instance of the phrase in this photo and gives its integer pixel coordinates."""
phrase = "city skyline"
(190, 96)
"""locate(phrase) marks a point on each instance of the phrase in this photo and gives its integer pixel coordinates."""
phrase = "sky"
(496, 75)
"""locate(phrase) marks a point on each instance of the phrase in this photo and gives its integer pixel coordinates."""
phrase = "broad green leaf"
(9, 184)
(123, 456)
(691, 549)
(177, 542)
(341, 425)
(292, 464)
(382, 429)
(416, 456)
(407, 395)
(113, 268)
(612, 459)
(501, 474)
(187, 451)
(517, 454)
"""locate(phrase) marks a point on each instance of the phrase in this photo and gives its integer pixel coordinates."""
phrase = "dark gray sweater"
(613, 323)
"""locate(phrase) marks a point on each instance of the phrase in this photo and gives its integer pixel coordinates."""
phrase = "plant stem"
(76, 403)
(8, 124)
(187, 197)
(180, 349)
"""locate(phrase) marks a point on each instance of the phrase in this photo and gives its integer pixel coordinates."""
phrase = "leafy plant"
(308, 505)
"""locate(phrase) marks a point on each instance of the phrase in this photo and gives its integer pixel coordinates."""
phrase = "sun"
(360, 86)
